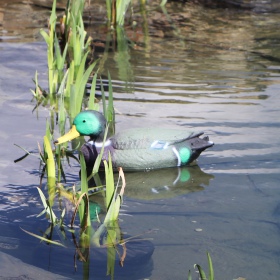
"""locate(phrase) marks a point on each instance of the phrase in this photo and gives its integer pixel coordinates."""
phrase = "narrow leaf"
(201, 272)
(210, 267)
(43, 238)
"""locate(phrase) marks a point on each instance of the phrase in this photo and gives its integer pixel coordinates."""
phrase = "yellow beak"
(72, 134)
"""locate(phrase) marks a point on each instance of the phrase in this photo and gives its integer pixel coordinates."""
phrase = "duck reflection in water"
(164, 183)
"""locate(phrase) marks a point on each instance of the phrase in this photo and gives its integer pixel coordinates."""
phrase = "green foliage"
(50, 165)
(68, 72)
(121, 8)
(116, 11)
(50, 40)
(84, 212)
(113, 198)
(68, 75)
(163, 3)
(201, 272)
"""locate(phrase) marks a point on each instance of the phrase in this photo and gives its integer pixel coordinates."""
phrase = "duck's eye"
(84, 121)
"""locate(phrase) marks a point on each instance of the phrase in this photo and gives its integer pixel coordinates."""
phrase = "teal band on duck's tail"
(139, 148)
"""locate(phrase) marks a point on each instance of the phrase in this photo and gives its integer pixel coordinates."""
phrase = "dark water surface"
(216, 70)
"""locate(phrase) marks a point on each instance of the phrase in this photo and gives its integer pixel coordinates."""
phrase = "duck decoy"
(137, 148)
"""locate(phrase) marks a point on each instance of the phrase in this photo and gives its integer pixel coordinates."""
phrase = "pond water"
(215, 70)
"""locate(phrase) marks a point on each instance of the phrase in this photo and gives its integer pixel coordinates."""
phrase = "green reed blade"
(103, 100)
(47, 208)
(84, 182)
(43, 238)
(110, 111)
(115, 199)
(109, 10)
(53, 13)
(189, 275)
(59, 59)
(84, 212)
(81, 84)
(81, 69)
(70, 80)
(91, 103)
(82, 33)
(201, 272)
(210, 267)
(74, 43)
(46, 36)
(163, 3)
(82, 206)
(62, 113)
(95, 240)
(110, 187)
(121, 8)
(48, 149)
(72, 109)
(100, 155)
(51, 180)
(27, 153)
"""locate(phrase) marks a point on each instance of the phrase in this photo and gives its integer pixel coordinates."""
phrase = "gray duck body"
(149, 148)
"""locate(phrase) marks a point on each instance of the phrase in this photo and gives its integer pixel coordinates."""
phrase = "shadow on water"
(213, 69)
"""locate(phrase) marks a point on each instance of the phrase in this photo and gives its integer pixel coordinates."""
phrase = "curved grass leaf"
(43, 238)
(201, 272)
(47, 207)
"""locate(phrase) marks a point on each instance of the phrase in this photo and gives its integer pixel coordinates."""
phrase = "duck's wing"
(146, 138)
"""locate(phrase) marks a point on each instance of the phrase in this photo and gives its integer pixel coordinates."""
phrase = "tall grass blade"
(100, 155)
(210, 267)
(110, 111)
(91, 103)
(189, 275)
(84, 205)
(110, 188)
(81, 87)
(51, 180)
(121, 8)
(115, 200)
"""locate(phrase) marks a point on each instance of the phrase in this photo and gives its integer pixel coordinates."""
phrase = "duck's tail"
(198, 145)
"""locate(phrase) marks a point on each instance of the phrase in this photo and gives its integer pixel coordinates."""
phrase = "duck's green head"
(87, 123)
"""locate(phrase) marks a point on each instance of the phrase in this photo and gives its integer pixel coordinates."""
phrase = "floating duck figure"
(137, 148)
